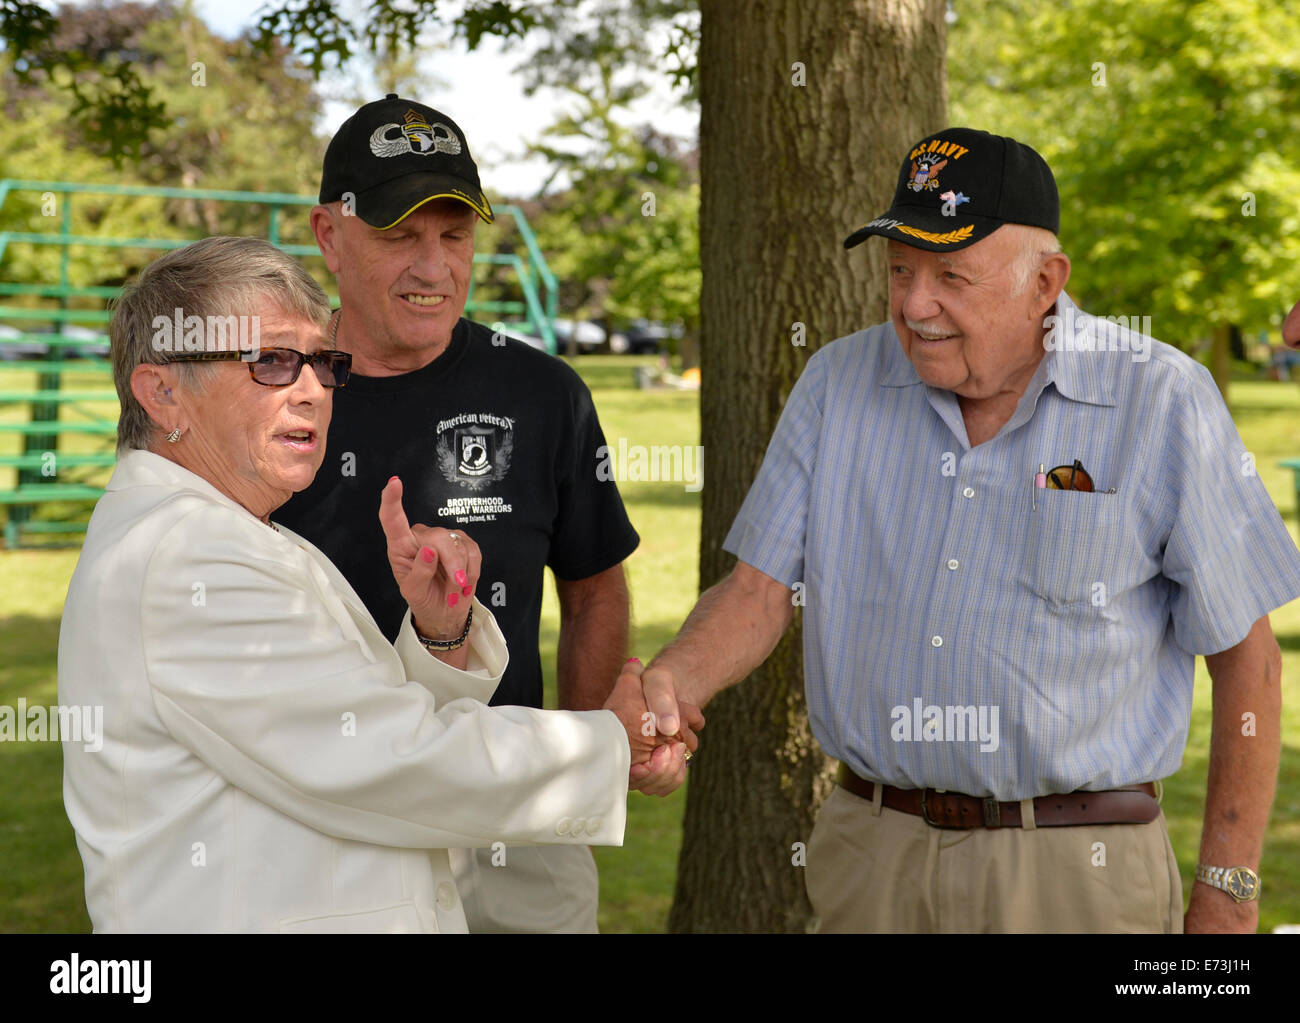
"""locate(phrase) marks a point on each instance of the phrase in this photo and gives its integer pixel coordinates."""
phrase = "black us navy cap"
(395, 155)
(958, 186)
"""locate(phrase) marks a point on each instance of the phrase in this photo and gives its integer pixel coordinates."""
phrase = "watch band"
(443, 645)
(1241, 883)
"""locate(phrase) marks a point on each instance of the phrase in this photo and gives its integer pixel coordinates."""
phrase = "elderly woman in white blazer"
(270, 762)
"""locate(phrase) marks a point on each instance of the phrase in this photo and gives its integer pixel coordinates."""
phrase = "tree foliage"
(238, 120)
(1173, 128)
(623, 237)
(118, 108)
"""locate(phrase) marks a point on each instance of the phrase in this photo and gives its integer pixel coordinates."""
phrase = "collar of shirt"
(1070, 363)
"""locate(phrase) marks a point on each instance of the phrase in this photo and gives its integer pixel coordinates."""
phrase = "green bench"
(98, 427)
(62, 459)
(99, 367)
(35, 493)
(56, 397)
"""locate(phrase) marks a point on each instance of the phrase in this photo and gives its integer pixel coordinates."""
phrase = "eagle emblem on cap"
(924, 174)
(416, 135)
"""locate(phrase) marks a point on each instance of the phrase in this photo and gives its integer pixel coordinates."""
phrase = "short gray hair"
(213, 277)
(1036, 242)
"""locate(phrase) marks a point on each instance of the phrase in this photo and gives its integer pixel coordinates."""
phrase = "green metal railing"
(46, 474)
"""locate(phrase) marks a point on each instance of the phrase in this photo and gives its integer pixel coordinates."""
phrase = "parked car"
(11, 347)
(511, 330)
(589, 336)
(643, 337)
(96, 339)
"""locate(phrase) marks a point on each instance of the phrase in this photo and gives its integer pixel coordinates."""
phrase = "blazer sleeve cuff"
(488, 658)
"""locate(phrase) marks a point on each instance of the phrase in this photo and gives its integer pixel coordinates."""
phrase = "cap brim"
(387, 205)
(926, 229)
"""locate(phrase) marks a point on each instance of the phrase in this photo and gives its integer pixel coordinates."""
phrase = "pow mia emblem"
(475, 455)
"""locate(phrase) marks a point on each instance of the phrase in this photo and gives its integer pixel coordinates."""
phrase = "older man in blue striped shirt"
(1016, 526)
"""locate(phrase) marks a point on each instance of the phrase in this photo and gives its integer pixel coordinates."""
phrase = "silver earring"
(174, 436)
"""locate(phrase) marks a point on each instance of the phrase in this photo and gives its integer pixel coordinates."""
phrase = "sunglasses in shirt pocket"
(1075, 541)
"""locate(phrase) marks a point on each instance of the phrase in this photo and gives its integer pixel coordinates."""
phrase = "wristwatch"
(1241, 883)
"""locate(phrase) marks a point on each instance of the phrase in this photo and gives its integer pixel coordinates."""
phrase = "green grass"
(40, 871)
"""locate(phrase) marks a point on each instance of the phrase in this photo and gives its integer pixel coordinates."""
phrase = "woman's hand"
(436, 569)
(658, 761)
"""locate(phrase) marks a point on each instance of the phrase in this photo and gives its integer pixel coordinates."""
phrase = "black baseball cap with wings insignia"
(958, 186)
(393, 156)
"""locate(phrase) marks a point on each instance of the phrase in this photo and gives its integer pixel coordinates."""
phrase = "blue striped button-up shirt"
(967, 631)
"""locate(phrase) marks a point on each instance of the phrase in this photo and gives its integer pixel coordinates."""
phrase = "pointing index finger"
(397, 529)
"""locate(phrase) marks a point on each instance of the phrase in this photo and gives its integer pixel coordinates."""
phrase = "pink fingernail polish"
(390, 479)
(426, 555)
(461, 577)
(452, 598)
(633, 660)
(466, 590)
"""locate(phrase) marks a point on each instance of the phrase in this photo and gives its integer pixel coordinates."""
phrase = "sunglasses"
(1069, 477)
(279, 367)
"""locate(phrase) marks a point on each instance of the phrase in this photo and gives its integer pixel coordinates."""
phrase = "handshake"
(660, 727)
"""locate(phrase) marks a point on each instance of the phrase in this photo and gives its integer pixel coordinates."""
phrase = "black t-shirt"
(496, 439)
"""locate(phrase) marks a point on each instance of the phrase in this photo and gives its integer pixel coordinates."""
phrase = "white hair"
(1035, 243)
(214, 276)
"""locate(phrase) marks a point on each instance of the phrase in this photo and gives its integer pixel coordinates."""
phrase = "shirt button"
(446, 896)
(936, 641)
(952, 564)
(968, 492)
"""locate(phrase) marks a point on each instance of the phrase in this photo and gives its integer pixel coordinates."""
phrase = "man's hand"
(666, 769)
(1210, 911)
(661, 697)
(658, 759)
(436, 569)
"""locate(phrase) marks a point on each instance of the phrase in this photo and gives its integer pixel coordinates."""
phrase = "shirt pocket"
(1074, 547)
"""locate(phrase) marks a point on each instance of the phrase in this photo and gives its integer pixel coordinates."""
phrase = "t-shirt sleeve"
(592, 531)
(770, 527)
(1229, 554)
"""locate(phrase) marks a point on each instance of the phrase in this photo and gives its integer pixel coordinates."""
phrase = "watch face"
(1241, 883)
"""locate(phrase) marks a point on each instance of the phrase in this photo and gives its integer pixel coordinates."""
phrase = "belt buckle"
(925, 811)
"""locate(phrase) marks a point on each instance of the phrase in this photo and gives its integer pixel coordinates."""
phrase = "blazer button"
(593, 825)
(446, 896)
(563, 827)
(579, 825)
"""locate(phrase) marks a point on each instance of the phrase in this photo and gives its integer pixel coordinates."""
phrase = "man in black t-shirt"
(488, 436)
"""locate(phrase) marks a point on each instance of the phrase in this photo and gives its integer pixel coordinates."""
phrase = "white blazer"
(270, 761)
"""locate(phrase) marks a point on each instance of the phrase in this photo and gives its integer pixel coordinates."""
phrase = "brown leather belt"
(1132, 804)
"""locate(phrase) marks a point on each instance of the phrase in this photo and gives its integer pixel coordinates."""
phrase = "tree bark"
(788, 171)
(1221, 357)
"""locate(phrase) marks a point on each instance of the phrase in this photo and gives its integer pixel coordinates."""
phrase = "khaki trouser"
(873, 869)
(540, 889)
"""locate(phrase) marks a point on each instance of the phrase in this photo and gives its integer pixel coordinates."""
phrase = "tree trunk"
(788, 171)
(1221, 357)
(689, 350)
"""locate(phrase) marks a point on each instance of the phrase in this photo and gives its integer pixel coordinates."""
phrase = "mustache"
(930, 332)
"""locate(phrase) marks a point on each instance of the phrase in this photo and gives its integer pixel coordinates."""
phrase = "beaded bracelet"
(443, 645)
